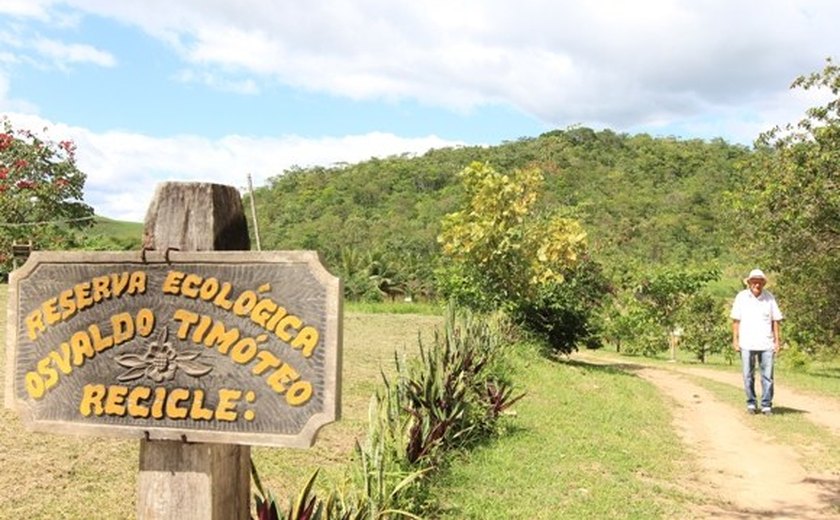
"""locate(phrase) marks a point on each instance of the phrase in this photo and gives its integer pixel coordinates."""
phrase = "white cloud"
(673, 67)
(620, 63)
(24, 8)
(123, 168)
(218, 82)
(61, 53)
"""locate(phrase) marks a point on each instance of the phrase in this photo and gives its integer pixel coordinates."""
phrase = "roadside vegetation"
(575, 239)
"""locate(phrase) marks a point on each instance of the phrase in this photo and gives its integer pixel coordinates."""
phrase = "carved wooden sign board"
(229, 347)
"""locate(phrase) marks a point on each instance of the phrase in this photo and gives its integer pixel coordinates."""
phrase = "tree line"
(588, 237)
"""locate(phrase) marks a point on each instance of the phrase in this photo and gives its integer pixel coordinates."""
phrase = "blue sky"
(198, 90)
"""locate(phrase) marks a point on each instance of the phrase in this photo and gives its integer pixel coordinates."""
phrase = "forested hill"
(643, 201)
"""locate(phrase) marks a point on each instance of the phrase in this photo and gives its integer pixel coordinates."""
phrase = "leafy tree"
(568, 313)
(40, 193)
(642, 201)
(666, 290)
(789, 205)
(650, 314)
(506, 253)
(705, 327)
(501, 243)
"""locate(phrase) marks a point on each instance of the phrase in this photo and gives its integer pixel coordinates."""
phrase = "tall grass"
(588, 442)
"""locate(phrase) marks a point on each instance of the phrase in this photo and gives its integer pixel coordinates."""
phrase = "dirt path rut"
(748, 474)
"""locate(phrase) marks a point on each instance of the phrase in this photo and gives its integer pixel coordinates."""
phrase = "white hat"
(755, 273)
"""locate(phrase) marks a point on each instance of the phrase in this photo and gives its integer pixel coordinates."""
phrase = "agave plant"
(266, 505)
(499, 397)
(445, 398)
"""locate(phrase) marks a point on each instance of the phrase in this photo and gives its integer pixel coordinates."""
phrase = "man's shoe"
(751, 409)
(767, 410)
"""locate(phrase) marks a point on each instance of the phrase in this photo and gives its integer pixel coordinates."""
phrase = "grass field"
(53, 476)
(117, 228)
(587, 441)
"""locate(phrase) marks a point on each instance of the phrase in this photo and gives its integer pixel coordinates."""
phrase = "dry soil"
(750, 474)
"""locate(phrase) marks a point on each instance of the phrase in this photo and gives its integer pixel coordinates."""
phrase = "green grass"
(118, 229)
(422, 308)
(587, 442)
(819, 376)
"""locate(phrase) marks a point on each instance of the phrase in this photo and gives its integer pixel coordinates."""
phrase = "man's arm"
(736, 327)
(777, 336)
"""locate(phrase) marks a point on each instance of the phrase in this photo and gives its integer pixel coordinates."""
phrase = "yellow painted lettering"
(67, 303)
(226, 409)
(201, 329)
(123, 327)
(284, 374)
(100, 343)
(115, 400)
(197, 410)
(185, 318)
(299, 393)
(34, 324)
(62, 360)
(220, 337)
(244, 350)
(145, 322)
(263, 311)
(222, 299)
(92, 398)
(81, 347)
(244, 303)
(307, 339)
(34, 385)
(137, 283)
(172, 283)
(278, 315)
(266, 360)
(50, 311)
(173, 411)
(49, 373)
(101, 288)
(209, 289)
(191, 285)
(157, 405)
(282, 328)
(137, 394)
(83, 299)
(118, 283)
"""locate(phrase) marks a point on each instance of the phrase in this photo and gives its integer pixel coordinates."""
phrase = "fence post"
(180, 480)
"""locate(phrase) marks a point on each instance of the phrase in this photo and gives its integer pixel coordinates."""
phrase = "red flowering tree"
(40, 193)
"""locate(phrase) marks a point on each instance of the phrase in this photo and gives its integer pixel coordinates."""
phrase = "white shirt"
(756, 315)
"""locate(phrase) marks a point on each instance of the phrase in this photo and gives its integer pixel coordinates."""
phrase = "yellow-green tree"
(506, 251)
(501, 241)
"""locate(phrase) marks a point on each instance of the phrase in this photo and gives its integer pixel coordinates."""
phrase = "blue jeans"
(765, 361)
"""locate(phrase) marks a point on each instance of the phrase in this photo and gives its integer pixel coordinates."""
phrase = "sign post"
(197, 351)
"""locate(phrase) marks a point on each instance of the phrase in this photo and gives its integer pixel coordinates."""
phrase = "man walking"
(756, 335)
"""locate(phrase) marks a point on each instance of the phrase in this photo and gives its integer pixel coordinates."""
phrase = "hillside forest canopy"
(587, 237)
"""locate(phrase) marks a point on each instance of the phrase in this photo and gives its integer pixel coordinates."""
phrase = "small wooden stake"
(182, 480)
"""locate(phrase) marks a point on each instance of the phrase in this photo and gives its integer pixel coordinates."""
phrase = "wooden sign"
(225, 347)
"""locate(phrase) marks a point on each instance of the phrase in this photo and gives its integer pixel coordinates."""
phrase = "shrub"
(567, 315)
(447, 399)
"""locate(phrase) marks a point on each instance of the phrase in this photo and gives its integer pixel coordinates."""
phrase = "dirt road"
(746, 473)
